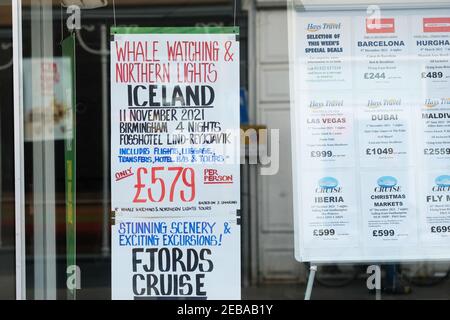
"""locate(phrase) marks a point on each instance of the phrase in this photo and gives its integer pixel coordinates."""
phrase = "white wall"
(275, 212)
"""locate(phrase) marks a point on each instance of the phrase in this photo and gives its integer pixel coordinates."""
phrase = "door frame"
(19, 185)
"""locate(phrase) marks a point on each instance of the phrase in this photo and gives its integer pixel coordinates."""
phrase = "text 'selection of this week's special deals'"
(371, 135)
(175, 163)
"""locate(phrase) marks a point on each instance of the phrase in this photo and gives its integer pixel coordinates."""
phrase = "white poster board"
(371, 135)
(175, 163)
(46, 99)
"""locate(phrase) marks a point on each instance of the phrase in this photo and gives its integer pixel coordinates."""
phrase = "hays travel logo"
(390, 102)
(317, 105)
(311, 27)
(431, 103)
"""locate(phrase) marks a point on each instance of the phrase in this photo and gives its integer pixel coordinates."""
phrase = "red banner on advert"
(436, 25)
(380, 25)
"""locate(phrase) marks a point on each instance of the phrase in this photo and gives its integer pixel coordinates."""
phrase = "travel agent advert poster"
(370, 135)
(175, 163)
(175, 142)
(194, 258)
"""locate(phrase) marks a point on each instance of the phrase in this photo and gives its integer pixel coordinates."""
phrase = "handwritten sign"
(175, 155)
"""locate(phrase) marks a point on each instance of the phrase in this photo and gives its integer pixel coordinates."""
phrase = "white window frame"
(18, 150)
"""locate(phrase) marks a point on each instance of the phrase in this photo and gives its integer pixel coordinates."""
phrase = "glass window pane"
(7, 222)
